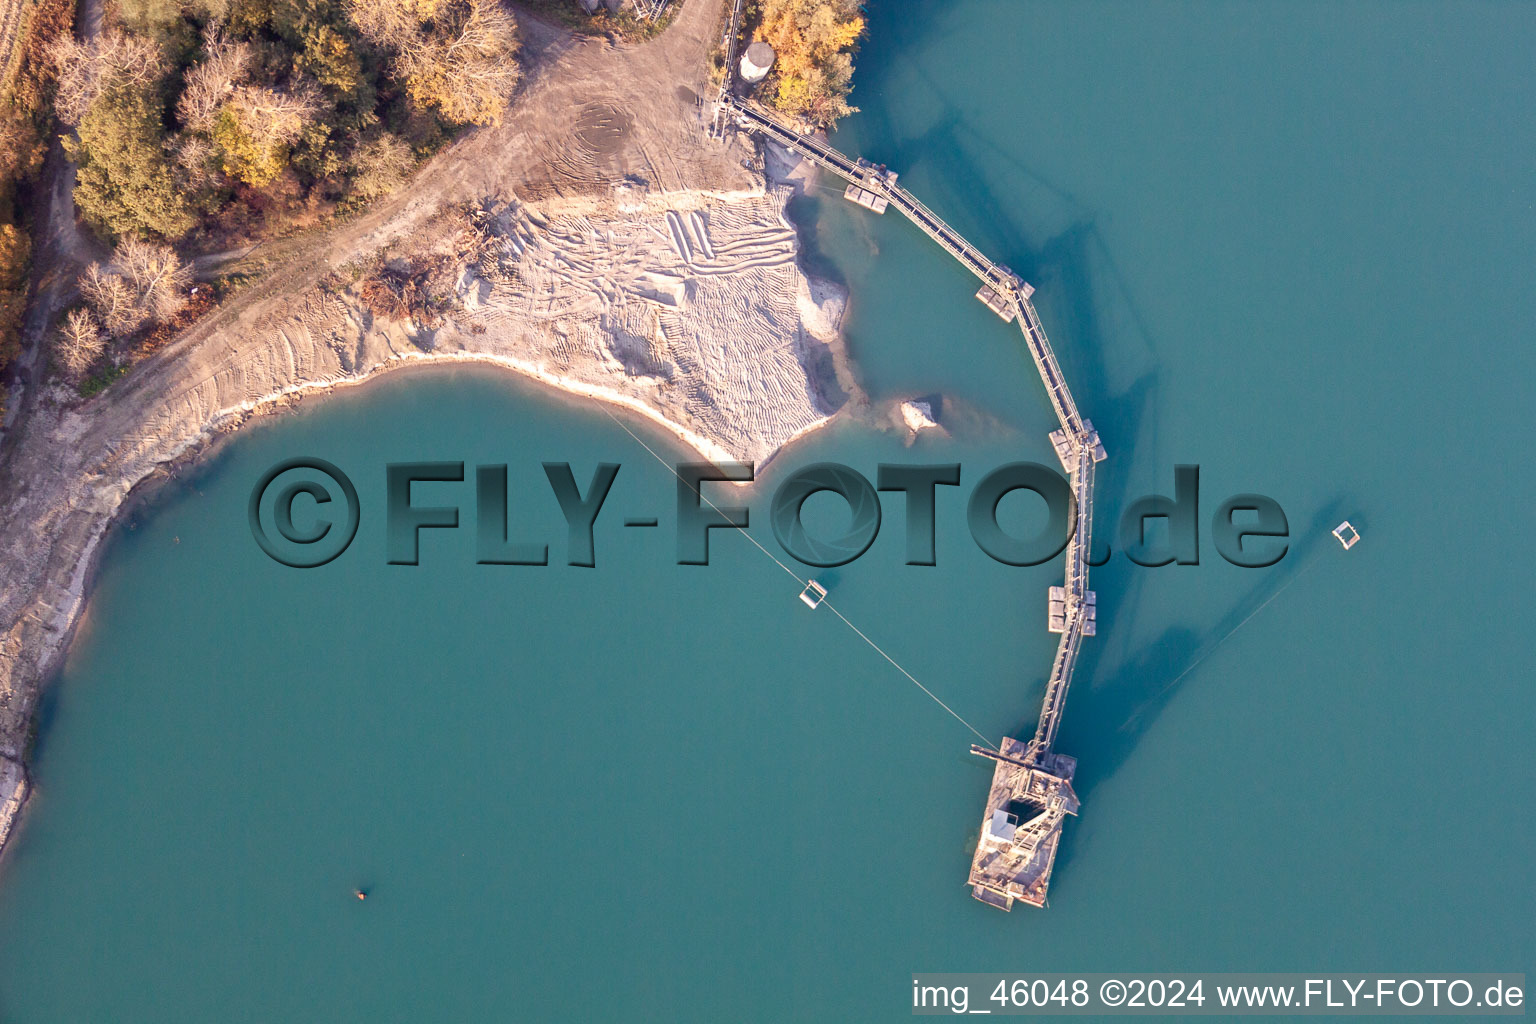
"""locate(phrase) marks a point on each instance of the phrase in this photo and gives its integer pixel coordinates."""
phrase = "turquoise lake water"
(1292, 243)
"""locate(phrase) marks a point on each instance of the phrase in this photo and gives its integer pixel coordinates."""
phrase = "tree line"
(813, 43)
(209, 123)
(225, 117)
(26, 119)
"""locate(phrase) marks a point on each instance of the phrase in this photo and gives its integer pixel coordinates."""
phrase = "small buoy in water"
(360, 894)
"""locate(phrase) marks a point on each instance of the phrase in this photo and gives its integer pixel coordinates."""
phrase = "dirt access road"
(588, 113)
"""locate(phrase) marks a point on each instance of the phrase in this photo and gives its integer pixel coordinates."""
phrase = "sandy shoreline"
(656, 272)
(78, 468)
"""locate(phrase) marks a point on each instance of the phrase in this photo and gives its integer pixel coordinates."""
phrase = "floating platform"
(997, 302)
(813, 594)
(1021, 829)
(1067, 452)
(1099, 454)
(1346, 534)
(865, 198)
(1056, 613)
(868, 169)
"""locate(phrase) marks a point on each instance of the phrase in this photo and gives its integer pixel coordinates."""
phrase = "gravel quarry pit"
(634, 260)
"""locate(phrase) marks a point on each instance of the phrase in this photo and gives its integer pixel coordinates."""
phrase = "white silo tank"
(756, 62)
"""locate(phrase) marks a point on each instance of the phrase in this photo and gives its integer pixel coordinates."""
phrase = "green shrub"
(98, 382)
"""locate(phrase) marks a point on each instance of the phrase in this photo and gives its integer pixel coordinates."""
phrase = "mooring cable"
(1211, 649)
(800, 580)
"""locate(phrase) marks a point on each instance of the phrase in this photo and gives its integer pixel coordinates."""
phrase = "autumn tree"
(12, 306)
(256, 128)
(145, 281)
(14, 134)
(813, 43)
(328, 56)
(15, 247)
(26, 126)
(284, 110)
(78, 342)
(456, 56)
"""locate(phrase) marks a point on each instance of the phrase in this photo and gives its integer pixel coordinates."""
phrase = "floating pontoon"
(813, 594)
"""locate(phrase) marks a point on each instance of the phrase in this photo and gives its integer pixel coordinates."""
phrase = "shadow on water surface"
(43, 719)
(1104, 724)
(1089, 321)
(999, 203)
(1048, 235)
(901, 27)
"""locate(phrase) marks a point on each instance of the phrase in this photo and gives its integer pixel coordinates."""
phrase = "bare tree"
(86, 69)
(112, 300)
(380, 164)
(456, 55)
(155, 275)
(392, 23)
(275, 118)
(194, 156)
(210, 82)
(466, 66)
(78, 342)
